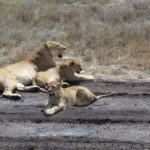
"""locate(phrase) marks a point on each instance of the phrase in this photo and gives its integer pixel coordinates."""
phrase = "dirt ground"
(119, 122)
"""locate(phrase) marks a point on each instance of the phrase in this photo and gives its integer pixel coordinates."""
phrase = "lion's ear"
(72, 63)
(45, 45)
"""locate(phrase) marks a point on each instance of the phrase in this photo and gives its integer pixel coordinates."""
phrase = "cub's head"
(75, 66)
(54, 88)
(55, 49)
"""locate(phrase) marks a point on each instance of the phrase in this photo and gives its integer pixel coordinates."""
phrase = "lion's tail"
(105, 95)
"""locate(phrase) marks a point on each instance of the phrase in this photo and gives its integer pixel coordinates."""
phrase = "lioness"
(67, 71)
(60, 97)
(19, 75)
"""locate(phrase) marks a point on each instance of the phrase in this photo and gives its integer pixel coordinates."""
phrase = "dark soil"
(119, 122)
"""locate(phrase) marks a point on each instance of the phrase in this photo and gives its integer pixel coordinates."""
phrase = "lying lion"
(20, 75)
(60, 98)
(67, 71)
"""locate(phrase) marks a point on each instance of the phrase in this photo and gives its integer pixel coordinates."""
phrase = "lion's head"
(54, 48)
(70, 66)
(75, 66)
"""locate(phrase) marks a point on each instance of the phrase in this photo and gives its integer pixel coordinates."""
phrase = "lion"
(68, 71)
(60, 98)
(19, 76)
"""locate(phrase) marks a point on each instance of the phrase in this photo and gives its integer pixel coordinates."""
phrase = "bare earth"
(112, 38)
(119, 122)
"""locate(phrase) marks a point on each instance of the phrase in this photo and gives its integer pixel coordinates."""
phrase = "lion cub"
(67, 71)
(60, 98)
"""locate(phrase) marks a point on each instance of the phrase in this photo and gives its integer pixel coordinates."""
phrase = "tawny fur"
(67, 71)
(60, 98)
(19, 75)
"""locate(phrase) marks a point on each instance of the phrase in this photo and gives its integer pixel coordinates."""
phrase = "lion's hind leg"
(8, 85)
(84, 98)
(8, 93)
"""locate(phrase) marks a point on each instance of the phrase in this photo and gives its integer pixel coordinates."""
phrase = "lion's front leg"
(53, 110)
(83, 77)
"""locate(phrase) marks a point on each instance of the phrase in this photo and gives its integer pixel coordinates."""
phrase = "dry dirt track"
(119, 122)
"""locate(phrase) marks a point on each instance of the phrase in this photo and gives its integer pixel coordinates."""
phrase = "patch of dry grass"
(101, 32)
